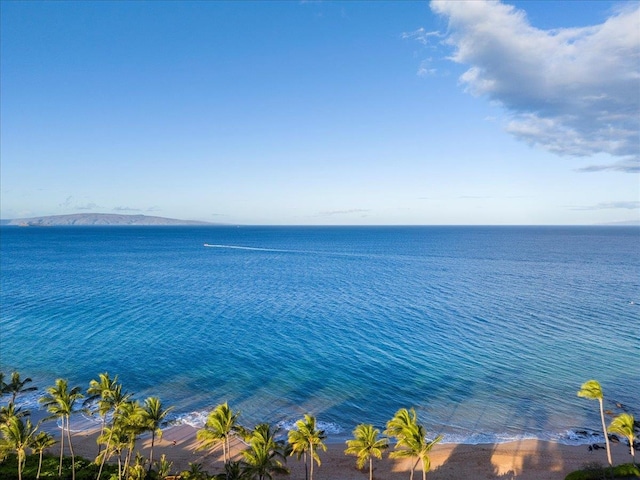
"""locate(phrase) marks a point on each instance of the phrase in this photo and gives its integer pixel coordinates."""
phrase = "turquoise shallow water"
(487, 331)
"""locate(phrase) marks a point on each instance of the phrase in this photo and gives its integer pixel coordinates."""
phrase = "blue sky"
(329, 113)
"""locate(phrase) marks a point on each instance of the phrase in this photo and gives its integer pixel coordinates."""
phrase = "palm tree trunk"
(19, 466)
(104, 456)
(306, 467)
(127, 460)
(73, 459)
(104, 424)
(311, 458)
(61, 448)
(370, 468)
(606, 436)
(424, 471)
(153, 438)
(39, 464)
(413, 469)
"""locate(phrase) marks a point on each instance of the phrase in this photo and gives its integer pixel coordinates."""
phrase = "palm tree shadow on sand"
(521, 460)
(492, 462)
(480, 463)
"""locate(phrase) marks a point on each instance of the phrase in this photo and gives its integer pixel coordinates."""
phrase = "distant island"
(98, 219)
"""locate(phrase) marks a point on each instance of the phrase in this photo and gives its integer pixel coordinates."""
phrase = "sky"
(323, 113)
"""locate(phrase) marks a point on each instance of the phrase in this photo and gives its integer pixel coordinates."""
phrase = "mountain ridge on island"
(99, 219)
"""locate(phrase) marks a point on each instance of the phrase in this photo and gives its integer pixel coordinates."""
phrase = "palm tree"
(116, 441)
(397, 427)
(624, 425)
(41, 442)
(366, 445)
(411, 439)
(265, 456)
(10, 410)
(154, 416)
(17, 436)
(592, 390)
(16, 386)
(164, 467)
(221, 425)
(132, 421)
(60, 402)
(102, 390)
(116, 399)
(307, 438)
(415, 445)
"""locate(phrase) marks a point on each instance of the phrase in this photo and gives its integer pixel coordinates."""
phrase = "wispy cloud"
(572, 91)
(342, 212)
(126, 209)
(88, 206)
(422, 36)
(629, 165)
(67, 202)
(632, 205)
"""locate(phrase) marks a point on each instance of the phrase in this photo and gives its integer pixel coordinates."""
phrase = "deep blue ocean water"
(487, 331)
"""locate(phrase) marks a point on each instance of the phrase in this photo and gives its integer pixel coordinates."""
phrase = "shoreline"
(523, 460)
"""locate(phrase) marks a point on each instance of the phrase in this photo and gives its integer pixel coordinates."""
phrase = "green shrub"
(594, 471)
(85, 469)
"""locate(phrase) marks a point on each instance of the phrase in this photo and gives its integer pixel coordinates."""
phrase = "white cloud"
(343, 212)
(572, 91)
(421, 35)
(125, 209)
(88, 206)
(633, 205)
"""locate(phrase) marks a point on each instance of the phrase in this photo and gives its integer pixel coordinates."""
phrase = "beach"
(521, 460)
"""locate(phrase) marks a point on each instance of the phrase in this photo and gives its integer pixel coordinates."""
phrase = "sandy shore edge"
(522, 460)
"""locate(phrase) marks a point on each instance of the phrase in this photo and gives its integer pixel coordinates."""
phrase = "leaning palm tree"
(16, 386)
(265, 456)
(17, 436)
(221, 425)
(41, 442)
(592, 390)
(154, 415)
(10, 410)
(60, 402)
(624, 425)
(366, 445)
(411, 440)
(116, 399)
(101, 391)
(306, 438)
(116, 441)
(132, 421)
(415, 445)
(402, 422)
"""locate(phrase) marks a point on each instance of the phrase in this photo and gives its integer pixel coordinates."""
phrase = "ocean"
(488, 332)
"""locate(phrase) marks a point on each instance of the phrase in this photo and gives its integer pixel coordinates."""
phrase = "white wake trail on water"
(281, 250)
(258, 249)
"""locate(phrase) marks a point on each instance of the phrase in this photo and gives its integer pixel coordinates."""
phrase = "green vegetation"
(85, 469)
(366, 446)
(411, 439)
(220, 427)
(305, 440)
(123, 420)
(60, 402)
(624, 425)
(592, 390)
(598, 472)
